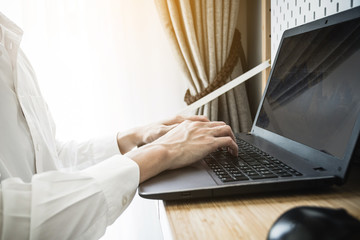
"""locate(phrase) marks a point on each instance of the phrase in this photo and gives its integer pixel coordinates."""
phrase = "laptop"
(306, 127)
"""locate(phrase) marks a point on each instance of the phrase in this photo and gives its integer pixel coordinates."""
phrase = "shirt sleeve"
(75, 155)
(67, 205)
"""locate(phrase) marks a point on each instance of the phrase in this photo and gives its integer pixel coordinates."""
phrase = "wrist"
(127, 140)
(151, 159)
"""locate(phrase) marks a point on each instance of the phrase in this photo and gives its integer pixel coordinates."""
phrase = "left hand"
(140, 136)
(151, 132)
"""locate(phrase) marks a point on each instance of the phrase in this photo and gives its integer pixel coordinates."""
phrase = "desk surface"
(250, 217)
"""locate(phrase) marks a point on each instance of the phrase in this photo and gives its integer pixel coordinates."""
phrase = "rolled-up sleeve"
(76, 205)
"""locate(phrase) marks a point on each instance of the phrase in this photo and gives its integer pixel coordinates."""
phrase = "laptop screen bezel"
(338, 166)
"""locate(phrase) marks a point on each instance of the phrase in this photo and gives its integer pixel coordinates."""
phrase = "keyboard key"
(252, 173)
(238, 175)
(285, 175)
(224, 175)
(227, 179)
(270, 176)
(254, 163)
(254, 177)
(263, 176)
(240, 164)
(242, 178)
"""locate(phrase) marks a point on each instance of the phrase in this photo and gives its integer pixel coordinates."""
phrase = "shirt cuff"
(118, 177)
(109, 143)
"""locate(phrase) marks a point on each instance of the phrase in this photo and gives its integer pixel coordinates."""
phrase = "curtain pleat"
(201, 33)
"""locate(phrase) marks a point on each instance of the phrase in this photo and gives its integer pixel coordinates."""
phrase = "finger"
(215, 124)
(174, 120)
(222, 131)
(208, 126)
(199, 118)
(228, 142)
(180, 119)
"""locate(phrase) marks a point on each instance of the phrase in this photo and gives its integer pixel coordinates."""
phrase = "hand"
(140, 136)
(151, 132)
(192, 141)
(185, 144)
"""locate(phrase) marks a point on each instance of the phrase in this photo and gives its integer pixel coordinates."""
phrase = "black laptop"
(306, 127)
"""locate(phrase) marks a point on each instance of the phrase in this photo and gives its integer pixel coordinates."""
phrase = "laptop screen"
(313, 96)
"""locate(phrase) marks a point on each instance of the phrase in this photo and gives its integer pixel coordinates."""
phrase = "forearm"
(152, 159)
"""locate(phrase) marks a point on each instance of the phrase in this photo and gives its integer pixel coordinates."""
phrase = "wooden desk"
(250, 217)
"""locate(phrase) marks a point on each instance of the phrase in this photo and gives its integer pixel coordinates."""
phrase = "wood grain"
(250, 217)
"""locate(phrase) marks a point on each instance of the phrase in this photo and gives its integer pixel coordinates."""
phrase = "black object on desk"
(312, 223)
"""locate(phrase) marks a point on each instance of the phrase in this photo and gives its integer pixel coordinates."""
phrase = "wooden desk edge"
(164, 221)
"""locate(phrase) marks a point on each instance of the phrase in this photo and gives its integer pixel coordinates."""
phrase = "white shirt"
(52, 190)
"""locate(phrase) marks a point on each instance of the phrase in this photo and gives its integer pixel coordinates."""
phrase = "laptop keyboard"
(251, 163)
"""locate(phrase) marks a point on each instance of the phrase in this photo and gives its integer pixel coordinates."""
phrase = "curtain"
(201, 33)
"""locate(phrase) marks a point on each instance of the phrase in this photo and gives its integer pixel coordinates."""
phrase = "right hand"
(183, 145)
(191, 141)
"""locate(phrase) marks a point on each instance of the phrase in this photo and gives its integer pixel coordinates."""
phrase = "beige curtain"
(201, 33)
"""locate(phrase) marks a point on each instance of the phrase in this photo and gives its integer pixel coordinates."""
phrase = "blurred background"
(103, 66)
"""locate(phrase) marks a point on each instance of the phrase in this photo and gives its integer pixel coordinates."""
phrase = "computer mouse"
(310, 223)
